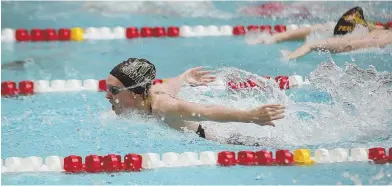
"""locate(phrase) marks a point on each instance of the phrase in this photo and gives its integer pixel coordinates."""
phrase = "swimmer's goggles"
(114, 89)
(138, 89)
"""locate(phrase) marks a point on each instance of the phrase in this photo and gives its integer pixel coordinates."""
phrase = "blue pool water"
(82, 123)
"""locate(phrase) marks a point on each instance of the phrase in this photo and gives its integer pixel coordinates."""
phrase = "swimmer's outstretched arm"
(167, 106)
(299, 52)
(298, 34)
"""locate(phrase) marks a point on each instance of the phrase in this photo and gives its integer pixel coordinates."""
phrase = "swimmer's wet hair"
(136, 73)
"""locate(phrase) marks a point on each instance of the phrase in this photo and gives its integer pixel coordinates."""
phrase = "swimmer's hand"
(259, 38)
(198, 77)
(285, 54)
(265, 114)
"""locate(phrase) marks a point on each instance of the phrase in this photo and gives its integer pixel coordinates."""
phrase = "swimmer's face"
(122, 100)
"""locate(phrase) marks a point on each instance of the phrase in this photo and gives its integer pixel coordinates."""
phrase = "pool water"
(82, 122)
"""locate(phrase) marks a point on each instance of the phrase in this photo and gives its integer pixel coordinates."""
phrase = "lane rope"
(27, 87)
(138, 162)
(107, 33)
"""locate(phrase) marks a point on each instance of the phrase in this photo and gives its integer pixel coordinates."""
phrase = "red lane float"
(389, 24)
(250, 158)
(50, 34)
(284, 157)
(133, 162)
(132, 32)
(173, 31)
(246, 158)
(390, 155)
(102, 85)
(239, 30)
(378, 155)
(26, 88)
(64, 34)
(8, 88)
(264, 157)
(146, 32)
(37, 35)
(280, 28)
(73, 164)
(227, 158)
(112, 163)
(283, 82)
(93, 163)
(22, 35)
(253, 28)
(266, 28)
(159, 32)
(108, 163)
(157, 81)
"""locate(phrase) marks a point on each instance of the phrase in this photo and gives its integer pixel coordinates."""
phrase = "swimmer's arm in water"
(298, 34)
(299, 52)
(167, 106)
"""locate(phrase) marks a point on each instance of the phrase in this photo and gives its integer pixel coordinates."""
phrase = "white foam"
(363, 115)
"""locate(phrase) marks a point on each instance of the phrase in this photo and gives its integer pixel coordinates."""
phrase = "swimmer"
(346, 24)
(130, 87)
(379, 38)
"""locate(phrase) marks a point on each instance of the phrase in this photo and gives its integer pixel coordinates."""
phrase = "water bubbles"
(352, 58)
(259, 177)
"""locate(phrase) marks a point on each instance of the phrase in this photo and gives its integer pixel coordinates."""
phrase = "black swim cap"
(345, 25)
(135, 73)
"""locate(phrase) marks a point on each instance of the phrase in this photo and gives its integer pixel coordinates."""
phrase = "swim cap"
(349, 20)
(135, 73)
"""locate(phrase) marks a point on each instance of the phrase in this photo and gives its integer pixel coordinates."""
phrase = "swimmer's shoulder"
(161, 101)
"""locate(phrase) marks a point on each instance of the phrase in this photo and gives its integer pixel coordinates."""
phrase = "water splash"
(358, 110)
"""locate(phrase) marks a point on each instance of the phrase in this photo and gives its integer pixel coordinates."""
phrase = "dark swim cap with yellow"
(349, 20)
(137, 74)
